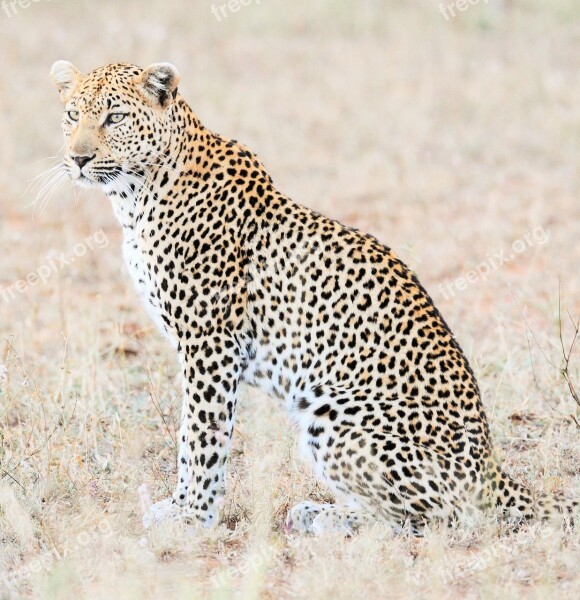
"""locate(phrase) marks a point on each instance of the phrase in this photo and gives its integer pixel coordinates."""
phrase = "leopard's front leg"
(211, 373)
(211, 370)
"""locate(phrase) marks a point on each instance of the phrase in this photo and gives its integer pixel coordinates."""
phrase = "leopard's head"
(116, 120)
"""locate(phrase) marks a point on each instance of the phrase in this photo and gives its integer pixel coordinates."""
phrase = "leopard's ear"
(66, 77)
(158, 83)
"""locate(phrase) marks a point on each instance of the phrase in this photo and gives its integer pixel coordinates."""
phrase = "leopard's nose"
(83, 160)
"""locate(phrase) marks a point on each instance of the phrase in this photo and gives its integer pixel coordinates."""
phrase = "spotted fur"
(249, 286)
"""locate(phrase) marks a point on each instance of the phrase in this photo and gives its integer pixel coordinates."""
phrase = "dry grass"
(447, 140)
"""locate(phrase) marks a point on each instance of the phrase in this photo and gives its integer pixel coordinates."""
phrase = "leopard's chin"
(85, 182)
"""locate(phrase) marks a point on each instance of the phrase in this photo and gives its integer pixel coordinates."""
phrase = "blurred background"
(448, 129)
(447, 133)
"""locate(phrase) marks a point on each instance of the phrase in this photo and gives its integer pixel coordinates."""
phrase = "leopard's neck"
(186, 154)
(123, 197)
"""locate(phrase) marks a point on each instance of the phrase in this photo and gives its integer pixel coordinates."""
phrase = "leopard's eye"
(115, 118)
(73, 115)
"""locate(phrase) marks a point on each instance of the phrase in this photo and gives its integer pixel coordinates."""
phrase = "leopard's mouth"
(122, 179)
(102, 179)
(108, 176)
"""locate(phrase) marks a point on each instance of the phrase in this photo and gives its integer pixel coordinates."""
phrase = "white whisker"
(40, 179)
(49, 190)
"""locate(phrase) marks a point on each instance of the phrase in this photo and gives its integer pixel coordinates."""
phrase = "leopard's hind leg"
(372, 453)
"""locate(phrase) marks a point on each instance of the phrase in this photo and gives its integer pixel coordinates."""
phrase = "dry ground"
(451, 141)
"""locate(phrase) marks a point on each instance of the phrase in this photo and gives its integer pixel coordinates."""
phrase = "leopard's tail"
(513, 499)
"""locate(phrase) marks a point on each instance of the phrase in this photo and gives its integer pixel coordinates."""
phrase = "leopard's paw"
(301, 517)
(165, 511)
(309, 517)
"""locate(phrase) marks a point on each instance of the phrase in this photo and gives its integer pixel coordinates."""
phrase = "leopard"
(250, 287)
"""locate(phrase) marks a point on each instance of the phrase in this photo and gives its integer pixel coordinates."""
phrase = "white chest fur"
(135, 259)
(142, 279)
